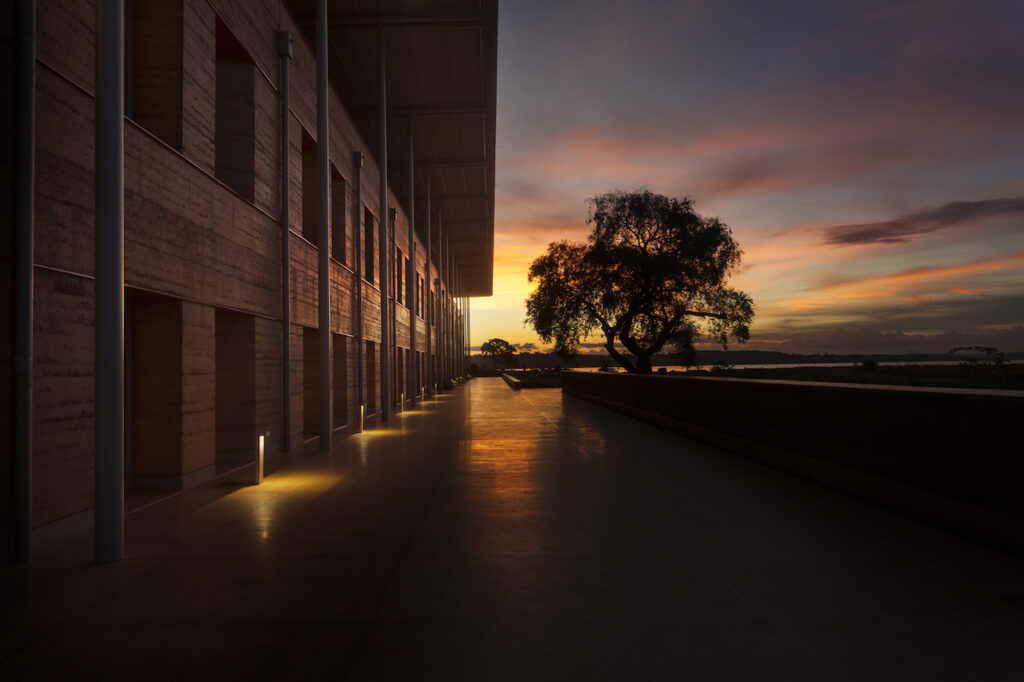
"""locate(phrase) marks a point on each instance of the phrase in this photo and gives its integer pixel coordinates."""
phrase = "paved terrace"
(500, 535)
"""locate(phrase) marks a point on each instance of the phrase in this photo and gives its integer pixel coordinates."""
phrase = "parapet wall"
(951, 457)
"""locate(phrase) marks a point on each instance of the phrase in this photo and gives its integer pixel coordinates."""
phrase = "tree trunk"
(643, 364)
(617, 356)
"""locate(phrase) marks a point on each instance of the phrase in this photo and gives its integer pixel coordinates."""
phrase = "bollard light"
(362, 417)
(259, 459)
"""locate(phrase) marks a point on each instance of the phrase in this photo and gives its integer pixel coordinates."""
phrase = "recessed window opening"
(153, 70)
(235, 139)
(368, 246)
(339, 216)
(310, 195)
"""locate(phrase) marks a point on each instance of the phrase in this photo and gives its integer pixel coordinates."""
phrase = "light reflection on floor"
(495, 534)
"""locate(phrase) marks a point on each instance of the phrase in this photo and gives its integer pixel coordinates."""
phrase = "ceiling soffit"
(441, 58)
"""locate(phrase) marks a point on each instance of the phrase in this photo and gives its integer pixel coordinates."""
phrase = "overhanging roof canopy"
(441, 58)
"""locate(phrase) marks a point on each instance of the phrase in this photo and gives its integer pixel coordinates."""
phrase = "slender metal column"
(357, 222)
(382, 162)
(451, 305)
(460, 359)
(451, 315)
(323, 215)
(465, 318)
(429, 303)
(462, 328)
(24, 277)
(456, 316)
(450, 299)
(442, 307)
(284, 48)
(392, 299)
(109, 283)
(410, 280)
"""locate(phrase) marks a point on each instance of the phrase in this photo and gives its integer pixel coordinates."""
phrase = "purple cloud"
(902, 229)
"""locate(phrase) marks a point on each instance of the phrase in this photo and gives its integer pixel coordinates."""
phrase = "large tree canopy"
(652, 273)
(497, 349)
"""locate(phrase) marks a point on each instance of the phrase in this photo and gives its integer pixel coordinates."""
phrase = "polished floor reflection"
(500, 535)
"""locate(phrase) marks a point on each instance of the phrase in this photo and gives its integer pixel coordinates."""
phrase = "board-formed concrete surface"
(494, 534)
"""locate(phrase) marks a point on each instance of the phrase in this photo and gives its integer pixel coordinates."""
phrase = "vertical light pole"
(323, 214)
(109, 281)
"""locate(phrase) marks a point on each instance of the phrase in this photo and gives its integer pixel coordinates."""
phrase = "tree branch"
(618, 357)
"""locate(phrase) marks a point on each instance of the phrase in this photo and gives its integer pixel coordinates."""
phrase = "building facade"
(294, 261)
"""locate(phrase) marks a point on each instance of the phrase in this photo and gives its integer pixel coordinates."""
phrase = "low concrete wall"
(513, 383)
(951, 457)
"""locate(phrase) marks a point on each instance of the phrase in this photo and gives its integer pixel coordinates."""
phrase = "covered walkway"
(500, 535)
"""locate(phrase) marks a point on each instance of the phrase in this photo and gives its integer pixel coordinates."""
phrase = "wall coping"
(989, 392)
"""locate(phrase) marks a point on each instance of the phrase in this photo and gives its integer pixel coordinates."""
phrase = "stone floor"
(501, 535)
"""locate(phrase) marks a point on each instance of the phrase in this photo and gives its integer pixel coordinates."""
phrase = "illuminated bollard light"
(362, 418)
(261, 442)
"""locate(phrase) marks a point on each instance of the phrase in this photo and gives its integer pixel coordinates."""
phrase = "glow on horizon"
(874, 185)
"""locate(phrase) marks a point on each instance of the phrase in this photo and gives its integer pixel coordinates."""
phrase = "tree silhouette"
(651, 273)
(497, 349)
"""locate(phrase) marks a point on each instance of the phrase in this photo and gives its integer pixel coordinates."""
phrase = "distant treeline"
(740, 357)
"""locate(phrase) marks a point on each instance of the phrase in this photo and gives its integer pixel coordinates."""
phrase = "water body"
(677, 368)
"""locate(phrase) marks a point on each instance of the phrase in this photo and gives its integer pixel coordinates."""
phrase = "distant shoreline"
(706, 359)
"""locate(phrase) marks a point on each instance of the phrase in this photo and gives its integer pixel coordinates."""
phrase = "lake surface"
(677, 368)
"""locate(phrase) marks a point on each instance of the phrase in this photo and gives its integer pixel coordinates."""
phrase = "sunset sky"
(869, 157)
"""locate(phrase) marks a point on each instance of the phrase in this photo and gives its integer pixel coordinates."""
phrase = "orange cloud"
(993, 264)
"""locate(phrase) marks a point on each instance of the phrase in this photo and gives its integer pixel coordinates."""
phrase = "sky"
(868, 156)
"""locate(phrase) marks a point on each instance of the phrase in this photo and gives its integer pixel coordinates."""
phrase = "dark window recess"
(235, 139)
(419, 295)
(153, 70)
(405, 288)
(309, 190)
(368, 240)
(398, 277)
(338, 216)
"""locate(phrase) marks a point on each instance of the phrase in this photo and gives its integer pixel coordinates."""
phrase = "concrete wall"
(192, 235)
(949, 456)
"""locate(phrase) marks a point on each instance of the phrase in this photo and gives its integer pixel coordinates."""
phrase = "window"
(310, 193)
(153, 70)
(339, 247)
(368, 245)
(235, 140)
